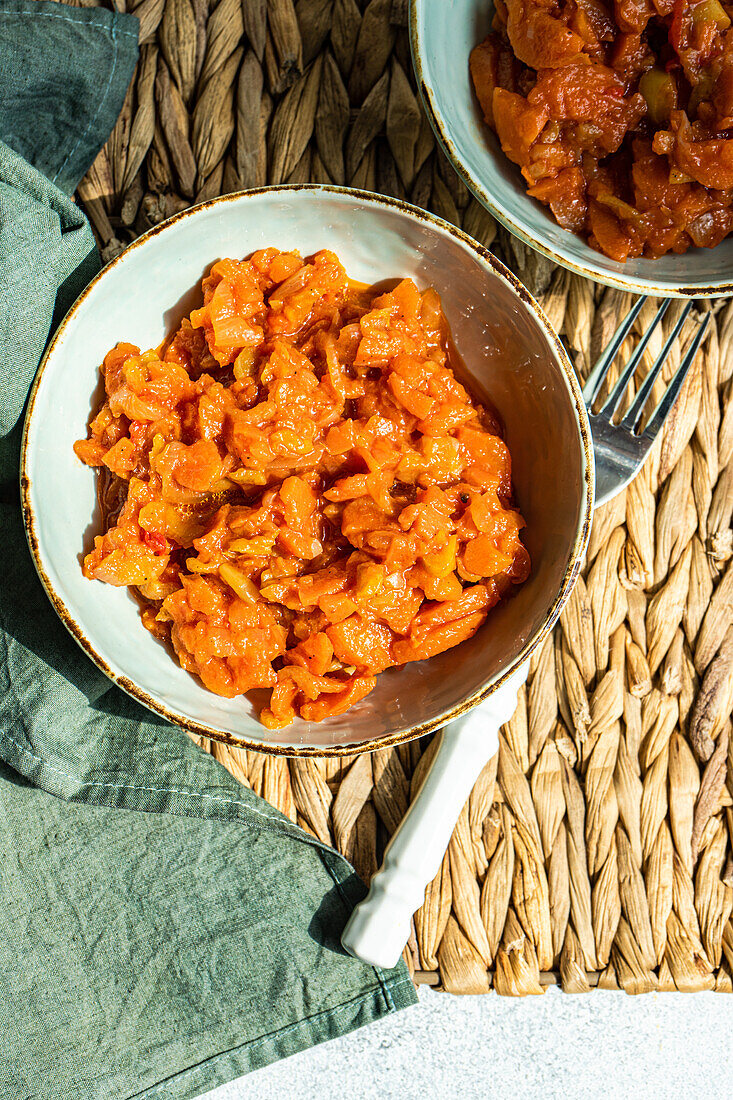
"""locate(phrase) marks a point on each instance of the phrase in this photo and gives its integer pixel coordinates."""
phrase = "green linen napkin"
(155, 953)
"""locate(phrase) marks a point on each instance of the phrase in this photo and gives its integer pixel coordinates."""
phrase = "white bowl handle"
(379, 927)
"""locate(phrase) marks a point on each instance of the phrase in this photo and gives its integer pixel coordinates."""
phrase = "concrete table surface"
(601, 1044)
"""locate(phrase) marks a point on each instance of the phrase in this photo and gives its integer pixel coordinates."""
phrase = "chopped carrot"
(438, 639)
(362, 644)
(315, 654)
(330, 706)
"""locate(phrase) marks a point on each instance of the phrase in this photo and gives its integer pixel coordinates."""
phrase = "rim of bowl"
(580, 540)
(640, 285)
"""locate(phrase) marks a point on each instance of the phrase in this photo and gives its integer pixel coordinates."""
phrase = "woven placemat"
(596, 851)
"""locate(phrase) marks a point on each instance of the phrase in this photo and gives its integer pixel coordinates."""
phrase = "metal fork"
(379, 926)
(621, 448)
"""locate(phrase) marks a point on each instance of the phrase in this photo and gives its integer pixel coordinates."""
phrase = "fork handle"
(379, 927)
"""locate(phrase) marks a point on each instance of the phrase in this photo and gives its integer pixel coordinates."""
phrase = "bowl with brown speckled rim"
(510, 352)
(442, 35)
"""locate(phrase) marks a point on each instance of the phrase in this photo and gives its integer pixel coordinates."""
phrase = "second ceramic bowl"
(442, 35)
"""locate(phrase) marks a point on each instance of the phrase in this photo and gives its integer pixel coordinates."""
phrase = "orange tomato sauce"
(299, 487)
(619, 115)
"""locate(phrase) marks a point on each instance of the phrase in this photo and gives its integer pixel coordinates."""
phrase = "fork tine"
(631, 418)
(614, 398)
(670, 395)
(600, 370)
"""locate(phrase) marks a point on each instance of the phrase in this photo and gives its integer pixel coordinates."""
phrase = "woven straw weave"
(596, 851)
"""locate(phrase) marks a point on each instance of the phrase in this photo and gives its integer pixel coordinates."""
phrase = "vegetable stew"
(619, 115)
(299, 487)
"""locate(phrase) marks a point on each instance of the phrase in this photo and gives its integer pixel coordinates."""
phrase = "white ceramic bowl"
(442, 35)
(506, 343)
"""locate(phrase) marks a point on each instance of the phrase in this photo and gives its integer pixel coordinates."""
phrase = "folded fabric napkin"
(155, 953)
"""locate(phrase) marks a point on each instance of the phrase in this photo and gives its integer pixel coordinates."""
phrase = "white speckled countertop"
(609, 1045)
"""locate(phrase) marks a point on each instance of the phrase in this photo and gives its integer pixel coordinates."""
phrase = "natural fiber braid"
(602, 849)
